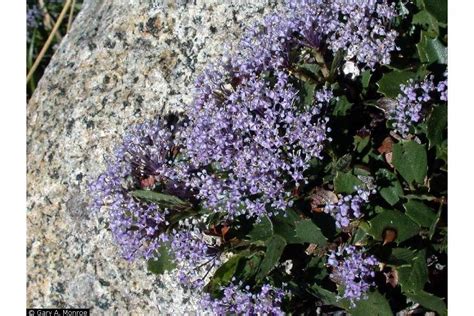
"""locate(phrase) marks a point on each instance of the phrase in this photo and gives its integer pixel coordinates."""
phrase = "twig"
(48, 41)
(71, 14)
(48, 19)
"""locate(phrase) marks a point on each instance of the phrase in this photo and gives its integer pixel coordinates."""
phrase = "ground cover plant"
(309, 173)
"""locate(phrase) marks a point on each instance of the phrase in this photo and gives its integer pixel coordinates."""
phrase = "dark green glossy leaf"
(409, 159)
(309, 232)
(390, 83)
(437, 124)
(285, 226)
(360, 143)
(428, 22)
(375, 304)
(401, 257)
(420, 213)
(429, 301)
(342, 106)
(158, 198)
(438, 8)
(312, 69)
(365, 78)
(392, 193)
(442, 151)
(328, 297)
(346, 182)
(262, 230)
(431, 50)
(337, 62)
(308, 93)
(224, 274)
(250, 267)
(360, 235)
(413, 278)
(392, 219)
(275, 247)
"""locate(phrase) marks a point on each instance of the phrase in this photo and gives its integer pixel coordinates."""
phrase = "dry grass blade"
(48, 20)
(48, 41)
(71, 15)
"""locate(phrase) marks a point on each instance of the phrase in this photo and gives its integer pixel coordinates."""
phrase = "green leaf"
(375, 304)
(262, 230)
(409, 159)
(309, 232)
(308, 93)
(158, 198)
(164, 263)
(275, 247)
(250, 267)
(224, 274)
(429, 301)
(401, 257)
(285, 226)
(413, 278)
(342, 106)
(428, 22)
(431, 50)
(346, 182)
(336, 62)
(360, 235)
(438, 8)
(360, 143)
(390, 83)
(437, 124)
(396, 220)
(442, 151)
(435, 222)
(392, 193)
(365, 78)
(312, 69)
(328, 297)
(420, 213)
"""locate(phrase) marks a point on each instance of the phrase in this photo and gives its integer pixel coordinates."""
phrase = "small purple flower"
(348, 207)
(192, 255)
(255, 141)
(353, 269)
(144, 154)
(362, 29)
(412, 101)
(442, 88)
(33, 16)
(238, 300)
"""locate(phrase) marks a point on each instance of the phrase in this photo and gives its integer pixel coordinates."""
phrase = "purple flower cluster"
(144, 157)
(240, 301)
(354, 270)
(247, 136)
(442, 88)
(255, 138)
(348, 207)
(362, 30)
(412, 100)
(359, 28)
(33, 16)
(191, 253)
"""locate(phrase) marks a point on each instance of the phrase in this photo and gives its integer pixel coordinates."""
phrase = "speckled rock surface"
(123, 62)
